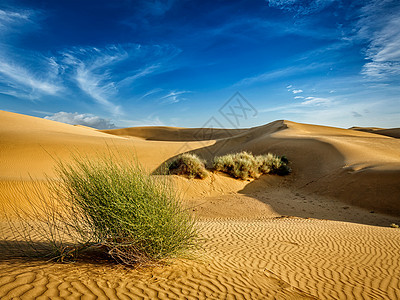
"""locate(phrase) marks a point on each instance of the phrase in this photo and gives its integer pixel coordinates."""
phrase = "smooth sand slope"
(250, 250)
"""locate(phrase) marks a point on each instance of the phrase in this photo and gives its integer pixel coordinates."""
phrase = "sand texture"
(322, 232)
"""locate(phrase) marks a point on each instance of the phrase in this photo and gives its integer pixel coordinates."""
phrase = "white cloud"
(151, 92)
(379, 25)
(141, 73)
(276, 74)
(81, 119)
(289, 87)
(24, 83)
(10, 19)
(297, 91)
(97, 71)
(298, 97)
(95, 86)
(16, 77)
(91, 70)
(316, 101)
(299, 6)
(174, 97)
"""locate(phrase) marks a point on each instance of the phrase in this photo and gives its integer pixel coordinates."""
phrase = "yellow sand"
(328, 249)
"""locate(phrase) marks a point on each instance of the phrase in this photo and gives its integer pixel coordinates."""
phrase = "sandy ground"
(322, 232)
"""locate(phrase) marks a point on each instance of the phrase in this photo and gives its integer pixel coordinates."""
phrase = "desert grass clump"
(239, 165)
(189, 165)
(245, 165)
(272, 164)
(116, 207)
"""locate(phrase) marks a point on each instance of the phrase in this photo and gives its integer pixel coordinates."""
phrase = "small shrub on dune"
(244, 165)
(188, 165)
(115, 207)
(272, 164)
(239, 165)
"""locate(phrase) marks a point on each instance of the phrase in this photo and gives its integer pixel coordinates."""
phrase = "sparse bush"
(188, 165)
(112, 206)
(239, 165)
(273, 164)
(244, 165)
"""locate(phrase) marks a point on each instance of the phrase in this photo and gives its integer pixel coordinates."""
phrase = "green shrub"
(116, 207)
(244, 165)
(188, 165)
(272, 164)
(239, 165)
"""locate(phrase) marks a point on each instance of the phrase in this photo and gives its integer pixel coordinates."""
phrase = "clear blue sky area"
(178, 63)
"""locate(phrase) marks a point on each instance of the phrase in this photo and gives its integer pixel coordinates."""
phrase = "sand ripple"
(281, 258)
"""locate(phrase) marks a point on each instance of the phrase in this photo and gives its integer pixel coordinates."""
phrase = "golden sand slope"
(249, 251)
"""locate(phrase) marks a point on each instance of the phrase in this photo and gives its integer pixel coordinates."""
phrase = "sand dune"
(161, 133)
(250, 250)
(356, 168)
(392, 132)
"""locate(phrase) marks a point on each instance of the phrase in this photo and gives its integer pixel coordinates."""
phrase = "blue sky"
(177, 63)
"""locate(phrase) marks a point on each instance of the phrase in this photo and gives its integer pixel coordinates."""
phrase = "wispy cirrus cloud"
(383, 52)
(151, 92)
(267, 76)
(10, 20)
(299, 6)
(378, 26)
(90, 70)
(139, 74)
(174, 97)
(282, 73)
(16, 77)
(19, 80)
(81, 119)
(98, 71)
(316, 101)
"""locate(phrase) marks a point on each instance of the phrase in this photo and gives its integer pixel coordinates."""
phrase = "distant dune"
(162, 133)
(392, 132)
(267, 238)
